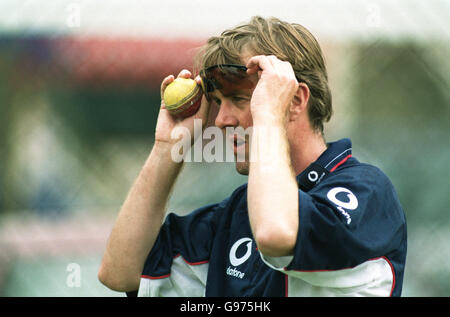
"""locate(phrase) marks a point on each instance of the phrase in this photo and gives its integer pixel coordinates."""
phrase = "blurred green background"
(79, 95)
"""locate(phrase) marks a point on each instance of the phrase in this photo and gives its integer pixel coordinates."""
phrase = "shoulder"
(364, 184)
(360, 174)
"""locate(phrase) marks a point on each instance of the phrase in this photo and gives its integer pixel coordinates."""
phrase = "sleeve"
(347, 226)
(177, 265)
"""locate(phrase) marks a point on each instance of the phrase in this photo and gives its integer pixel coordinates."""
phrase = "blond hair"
(287, 41)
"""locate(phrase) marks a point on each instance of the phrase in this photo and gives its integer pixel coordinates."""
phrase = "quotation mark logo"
(235, 261)
(350, 204)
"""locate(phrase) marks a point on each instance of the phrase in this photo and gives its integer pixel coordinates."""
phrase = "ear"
(299, 103)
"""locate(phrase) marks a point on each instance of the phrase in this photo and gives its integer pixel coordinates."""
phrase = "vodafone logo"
(313, 176)
(350, 204)
(235, 261)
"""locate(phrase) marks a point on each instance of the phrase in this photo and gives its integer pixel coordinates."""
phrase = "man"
(312, 220)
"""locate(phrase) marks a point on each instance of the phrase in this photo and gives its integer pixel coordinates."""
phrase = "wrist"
(162, 146)
(268, 118)
(162, 151)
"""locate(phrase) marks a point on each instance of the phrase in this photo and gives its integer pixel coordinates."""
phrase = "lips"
(237, 143)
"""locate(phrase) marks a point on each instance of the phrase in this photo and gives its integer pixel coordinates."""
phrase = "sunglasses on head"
(226, 78)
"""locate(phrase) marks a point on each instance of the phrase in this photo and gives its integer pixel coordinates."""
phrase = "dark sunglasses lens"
(226, 78)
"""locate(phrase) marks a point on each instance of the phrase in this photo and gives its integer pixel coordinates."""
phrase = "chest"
(236, 267)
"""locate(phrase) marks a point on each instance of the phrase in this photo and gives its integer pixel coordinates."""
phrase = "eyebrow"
(245, 92)
(238, 92)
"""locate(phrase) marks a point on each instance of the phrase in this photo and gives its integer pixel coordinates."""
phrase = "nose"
(226, 117)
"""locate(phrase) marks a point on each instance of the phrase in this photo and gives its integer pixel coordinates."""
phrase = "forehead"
(235, 89)
(230, 93)
(231, 51)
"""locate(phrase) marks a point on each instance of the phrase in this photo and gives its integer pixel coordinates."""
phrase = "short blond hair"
(289, 42)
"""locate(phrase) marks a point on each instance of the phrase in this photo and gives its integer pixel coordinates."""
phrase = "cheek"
(246, 119)
(213, 112)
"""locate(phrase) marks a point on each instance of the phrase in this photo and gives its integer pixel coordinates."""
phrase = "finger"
(166, 81)
(274, 60)
(259, 63)
(287, 68)
(198, 80)
(253, 64)
(280, 66)
(185, 74)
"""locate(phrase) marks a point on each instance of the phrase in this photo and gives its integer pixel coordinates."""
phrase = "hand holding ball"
(183, 97)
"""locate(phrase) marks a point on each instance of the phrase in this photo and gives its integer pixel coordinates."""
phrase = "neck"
(305, 148)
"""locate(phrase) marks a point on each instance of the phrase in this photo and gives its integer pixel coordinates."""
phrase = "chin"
(242, 168)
